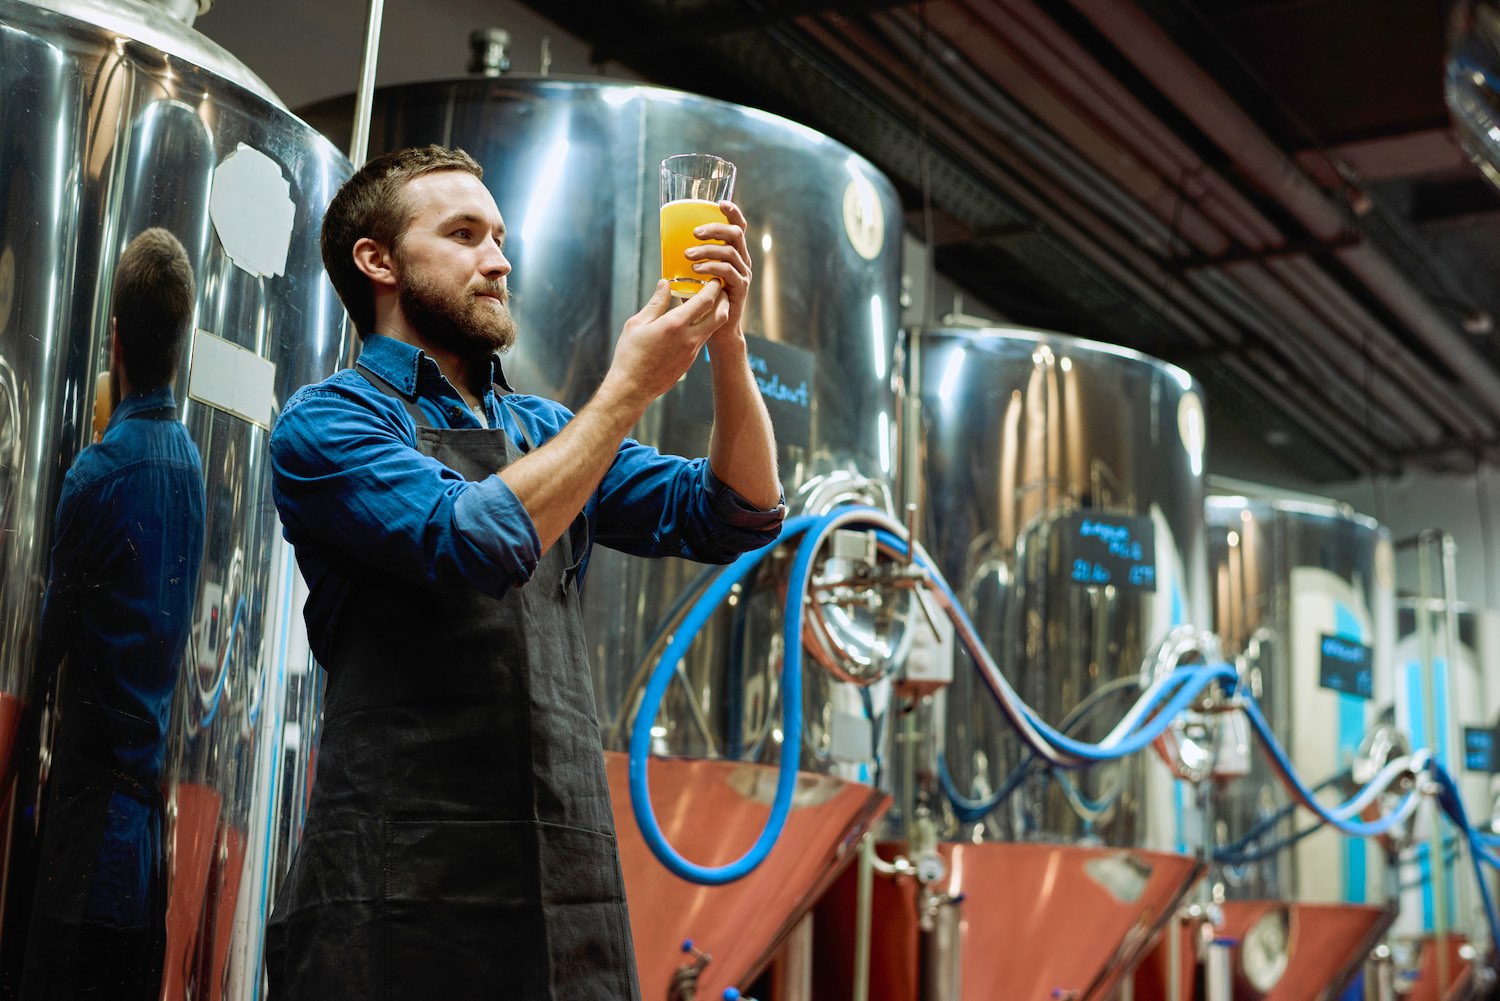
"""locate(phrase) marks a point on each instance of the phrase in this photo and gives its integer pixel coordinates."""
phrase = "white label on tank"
(226, 376)
(252, 210)
(864, 219)
(850, 737)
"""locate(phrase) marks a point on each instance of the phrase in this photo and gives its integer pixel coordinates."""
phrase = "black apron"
(459, 842)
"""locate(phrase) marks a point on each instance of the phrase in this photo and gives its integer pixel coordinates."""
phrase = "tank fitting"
(489, 52)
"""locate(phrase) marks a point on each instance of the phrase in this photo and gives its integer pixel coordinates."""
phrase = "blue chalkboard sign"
(1346, 665)
(1479, 749)
(1114, 549)
(785, 376)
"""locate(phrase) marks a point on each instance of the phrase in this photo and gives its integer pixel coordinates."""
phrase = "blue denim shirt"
(126, 551)
(354, 492)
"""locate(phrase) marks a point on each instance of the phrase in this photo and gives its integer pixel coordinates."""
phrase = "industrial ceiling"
(1267, 192)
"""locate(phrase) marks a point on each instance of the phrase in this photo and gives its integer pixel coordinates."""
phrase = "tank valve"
(684, 985)
(489, 50)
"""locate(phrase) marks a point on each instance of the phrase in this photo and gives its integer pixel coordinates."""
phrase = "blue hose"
(1448, 799)
(1199, 679)
(791, 715)
(1355, 828)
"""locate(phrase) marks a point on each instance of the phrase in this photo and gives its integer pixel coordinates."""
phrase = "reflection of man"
(459, 842)
(128, 543)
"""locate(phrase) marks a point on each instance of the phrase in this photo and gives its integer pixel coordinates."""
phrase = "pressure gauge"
(1264, 952)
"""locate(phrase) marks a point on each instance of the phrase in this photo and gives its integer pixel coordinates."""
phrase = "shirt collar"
(399, 363)
(142, 402)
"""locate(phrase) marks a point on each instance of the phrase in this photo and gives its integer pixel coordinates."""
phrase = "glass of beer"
(692, 185)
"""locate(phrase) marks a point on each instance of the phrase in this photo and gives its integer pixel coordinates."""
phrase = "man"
(117, 614)
(459, 842)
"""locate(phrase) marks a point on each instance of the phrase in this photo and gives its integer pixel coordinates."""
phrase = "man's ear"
(377, 263)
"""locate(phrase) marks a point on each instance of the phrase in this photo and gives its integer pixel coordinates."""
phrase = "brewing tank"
(1447, 664)
(573, 166)
(116, 117)
(1303, 600)
(1060, 485)
(1304, 594)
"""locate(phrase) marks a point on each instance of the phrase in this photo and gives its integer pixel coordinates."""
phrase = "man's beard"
(463, 322)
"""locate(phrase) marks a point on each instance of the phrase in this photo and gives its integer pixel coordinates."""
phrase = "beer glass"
(692, 185)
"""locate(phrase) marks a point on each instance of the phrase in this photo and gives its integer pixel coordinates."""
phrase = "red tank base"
(1325, 946)
(1035, 921)
(712, 812)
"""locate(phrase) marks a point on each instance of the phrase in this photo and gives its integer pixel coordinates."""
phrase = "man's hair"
(152, 306)
(373, 203)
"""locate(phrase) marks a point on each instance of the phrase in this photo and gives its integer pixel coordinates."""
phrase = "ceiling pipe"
(1407, 427)
(1027, 34)
(1125, 262)
(1199, 97)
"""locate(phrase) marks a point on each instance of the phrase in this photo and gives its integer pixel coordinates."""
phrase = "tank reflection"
(126, 554)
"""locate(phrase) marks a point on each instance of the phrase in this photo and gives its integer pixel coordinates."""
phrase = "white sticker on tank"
(252, 210)
(226, 376)
(864, 219)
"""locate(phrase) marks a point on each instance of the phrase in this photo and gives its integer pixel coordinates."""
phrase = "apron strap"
(412, 410)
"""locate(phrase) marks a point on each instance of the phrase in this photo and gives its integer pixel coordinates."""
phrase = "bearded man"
(459, 841)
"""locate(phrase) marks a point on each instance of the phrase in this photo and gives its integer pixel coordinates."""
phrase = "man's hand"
(660, 343)
(729, 262)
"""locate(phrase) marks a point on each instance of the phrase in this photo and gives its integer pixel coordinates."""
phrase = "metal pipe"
(1437, 868)
(364, 99)
(1380, 975)
(942, 957)
(1199, 96)
(1033, 40)
(791, 977)
(864, 903)
(1041, 196)
(1218, 970)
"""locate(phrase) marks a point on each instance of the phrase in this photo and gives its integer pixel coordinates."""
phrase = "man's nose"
(495, 264)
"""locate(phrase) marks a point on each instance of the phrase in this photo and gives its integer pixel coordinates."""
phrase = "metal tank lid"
(152, 25)
(618, 92)
(1181, 376)
(1330, 510)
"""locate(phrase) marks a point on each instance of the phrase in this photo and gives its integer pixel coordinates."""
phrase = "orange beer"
(678, 220)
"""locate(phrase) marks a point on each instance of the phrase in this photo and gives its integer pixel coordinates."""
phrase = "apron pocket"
(476, 907)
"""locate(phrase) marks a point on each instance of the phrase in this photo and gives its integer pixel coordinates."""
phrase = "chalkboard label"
(1346, 665)
(785, 377)
(1479, 749)
(1114, 549)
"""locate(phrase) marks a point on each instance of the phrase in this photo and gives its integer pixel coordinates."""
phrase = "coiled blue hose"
(791, 714)
(1167, 703)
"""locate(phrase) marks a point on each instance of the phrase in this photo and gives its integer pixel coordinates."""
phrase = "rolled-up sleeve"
(652, 504)
(348, 476)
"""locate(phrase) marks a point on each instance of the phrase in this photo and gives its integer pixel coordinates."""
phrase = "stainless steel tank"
(1304, 601)
(115, 117)
(1447, 667)
(573, 166)
(1059, 483)
(1036, 453)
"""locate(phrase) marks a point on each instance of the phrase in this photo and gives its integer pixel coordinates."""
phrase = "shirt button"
(454, 413)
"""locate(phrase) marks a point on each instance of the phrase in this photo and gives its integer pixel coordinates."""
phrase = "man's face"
(450, 267)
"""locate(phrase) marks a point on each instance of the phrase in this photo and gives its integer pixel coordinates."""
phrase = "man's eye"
(462, 234)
